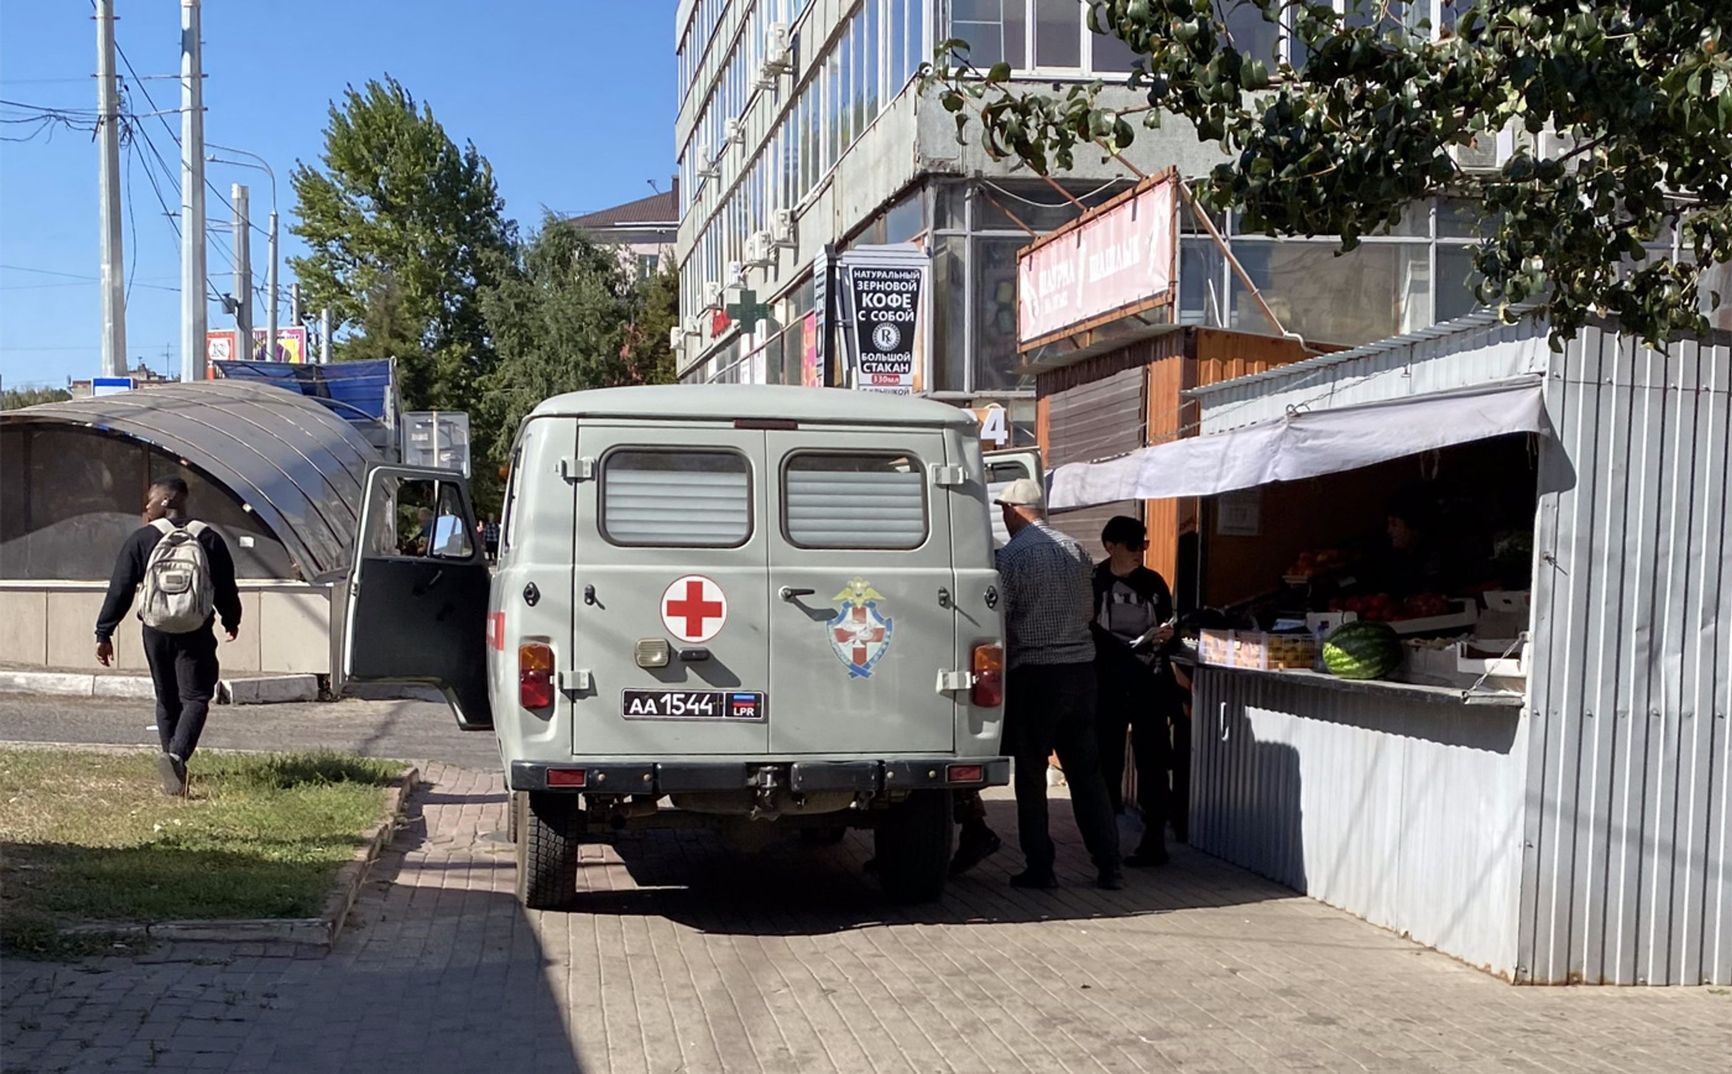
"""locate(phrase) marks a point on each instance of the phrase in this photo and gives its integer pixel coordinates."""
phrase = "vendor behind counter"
(1412, 559)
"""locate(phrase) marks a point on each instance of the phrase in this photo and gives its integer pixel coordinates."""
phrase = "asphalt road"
(402, 730)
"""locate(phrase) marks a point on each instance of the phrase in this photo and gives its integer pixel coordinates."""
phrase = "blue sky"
(573, 102)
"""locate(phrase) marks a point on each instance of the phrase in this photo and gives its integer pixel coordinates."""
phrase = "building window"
(996, 31)
(1414, 274)
(1058, 26)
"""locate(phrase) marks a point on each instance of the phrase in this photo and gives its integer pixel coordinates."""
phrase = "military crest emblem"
(860, 633)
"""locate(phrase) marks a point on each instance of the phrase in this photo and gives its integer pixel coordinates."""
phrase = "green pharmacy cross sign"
(748, 310)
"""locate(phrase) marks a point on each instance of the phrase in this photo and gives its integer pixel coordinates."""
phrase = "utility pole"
(113, 256)
(295, 308)
(325, 336)
(271, 294)
(192, 273)
(243, 273)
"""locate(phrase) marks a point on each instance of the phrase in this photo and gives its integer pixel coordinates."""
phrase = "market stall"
(1465, 675)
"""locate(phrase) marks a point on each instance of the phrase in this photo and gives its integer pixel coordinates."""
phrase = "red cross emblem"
(694, 608)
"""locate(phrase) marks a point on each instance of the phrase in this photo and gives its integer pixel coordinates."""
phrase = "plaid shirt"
(1049, 598)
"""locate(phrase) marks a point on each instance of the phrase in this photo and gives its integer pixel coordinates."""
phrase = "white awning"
(1308, 443)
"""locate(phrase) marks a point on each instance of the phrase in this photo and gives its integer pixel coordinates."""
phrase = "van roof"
(753, 401)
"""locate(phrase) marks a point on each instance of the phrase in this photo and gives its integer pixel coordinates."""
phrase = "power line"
(132, 226)
(172, 133)
(173, 220)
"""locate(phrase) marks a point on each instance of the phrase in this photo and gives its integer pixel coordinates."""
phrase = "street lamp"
(271, 273)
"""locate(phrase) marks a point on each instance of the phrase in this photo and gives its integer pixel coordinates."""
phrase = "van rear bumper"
(680, 777)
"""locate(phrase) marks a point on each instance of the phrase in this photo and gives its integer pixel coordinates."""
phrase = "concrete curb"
(54, 683)
(260, 690)
(318, 932)
(271, 690)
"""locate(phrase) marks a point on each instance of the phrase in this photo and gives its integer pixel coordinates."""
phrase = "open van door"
(417, 599)
(1003, 467)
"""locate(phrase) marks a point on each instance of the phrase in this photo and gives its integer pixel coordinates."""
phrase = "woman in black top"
(1133, 602)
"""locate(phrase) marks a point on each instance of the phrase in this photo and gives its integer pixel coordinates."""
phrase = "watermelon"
(1362, 650)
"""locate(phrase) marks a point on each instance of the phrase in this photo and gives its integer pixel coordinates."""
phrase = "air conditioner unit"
(707, 168)
(695, 325)
(778, 48)
(782, 227)
(713, 295)
(736, 129)
(760, 250)
(736, 272)
(676, 336)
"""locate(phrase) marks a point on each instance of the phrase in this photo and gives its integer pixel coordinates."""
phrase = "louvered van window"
(676, 499)
(855, 501)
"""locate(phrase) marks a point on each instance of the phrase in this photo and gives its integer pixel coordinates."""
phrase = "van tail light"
(535, 676)
(988, 691)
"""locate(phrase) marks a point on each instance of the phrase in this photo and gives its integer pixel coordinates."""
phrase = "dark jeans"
(1133, 697)
(183, 668)
(1050, 708)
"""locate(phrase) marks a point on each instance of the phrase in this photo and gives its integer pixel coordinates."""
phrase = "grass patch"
(89, 836)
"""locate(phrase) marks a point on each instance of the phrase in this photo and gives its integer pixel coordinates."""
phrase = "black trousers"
(1135, 698)
(1050, 708)
(183, 668)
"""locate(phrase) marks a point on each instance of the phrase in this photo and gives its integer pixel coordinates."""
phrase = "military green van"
(753, 608)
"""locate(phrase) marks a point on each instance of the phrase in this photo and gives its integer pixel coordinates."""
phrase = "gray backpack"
(178, 594)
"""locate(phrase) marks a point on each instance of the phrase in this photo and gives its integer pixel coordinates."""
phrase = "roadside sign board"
(110, 385)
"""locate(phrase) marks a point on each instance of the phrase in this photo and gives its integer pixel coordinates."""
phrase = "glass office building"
(802, 132)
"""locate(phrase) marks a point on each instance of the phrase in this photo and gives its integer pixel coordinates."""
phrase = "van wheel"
(548, 827)
(913, 842)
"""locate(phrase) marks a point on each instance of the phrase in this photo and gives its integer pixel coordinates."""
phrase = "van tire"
(913, 843)
(514, 816)
(548, 828)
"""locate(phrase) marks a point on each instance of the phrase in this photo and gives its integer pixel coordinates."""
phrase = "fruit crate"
(1257, 649)
(1464, 614)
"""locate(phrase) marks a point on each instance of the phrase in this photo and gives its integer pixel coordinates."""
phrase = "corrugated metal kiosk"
(1573, 831)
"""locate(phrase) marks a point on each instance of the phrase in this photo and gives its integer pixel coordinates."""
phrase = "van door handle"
(790, 594)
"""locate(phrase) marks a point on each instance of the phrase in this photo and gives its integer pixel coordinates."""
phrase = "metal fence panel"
(1626, 876)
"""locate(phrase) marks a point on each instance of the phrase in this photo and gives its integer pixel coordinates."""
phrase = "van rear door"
(1003, 467)
(669, 605)
(861, 587)
(417, 598)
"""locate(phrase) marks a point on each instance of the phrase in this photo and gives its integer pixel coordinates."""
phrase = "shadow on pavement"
(371, 1007)
(792, 889)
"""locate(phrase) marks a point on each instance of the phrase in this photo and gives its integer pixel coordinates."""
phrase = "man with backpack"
(183, 576)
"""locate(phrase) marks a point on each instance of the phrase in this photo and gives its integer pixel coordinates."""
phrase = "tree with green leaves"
(565, 316)
(1634, 98)
(404, 229)
(655, 311)
(19, 398)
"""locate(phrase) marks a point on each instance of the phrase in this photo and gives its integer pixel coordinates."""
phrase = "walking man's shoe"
(976, 844)
(173, 772)
(1110, 880)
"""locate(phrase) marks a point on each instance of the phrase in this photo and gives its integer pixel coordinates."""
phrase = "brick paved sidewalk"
(686, 957)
